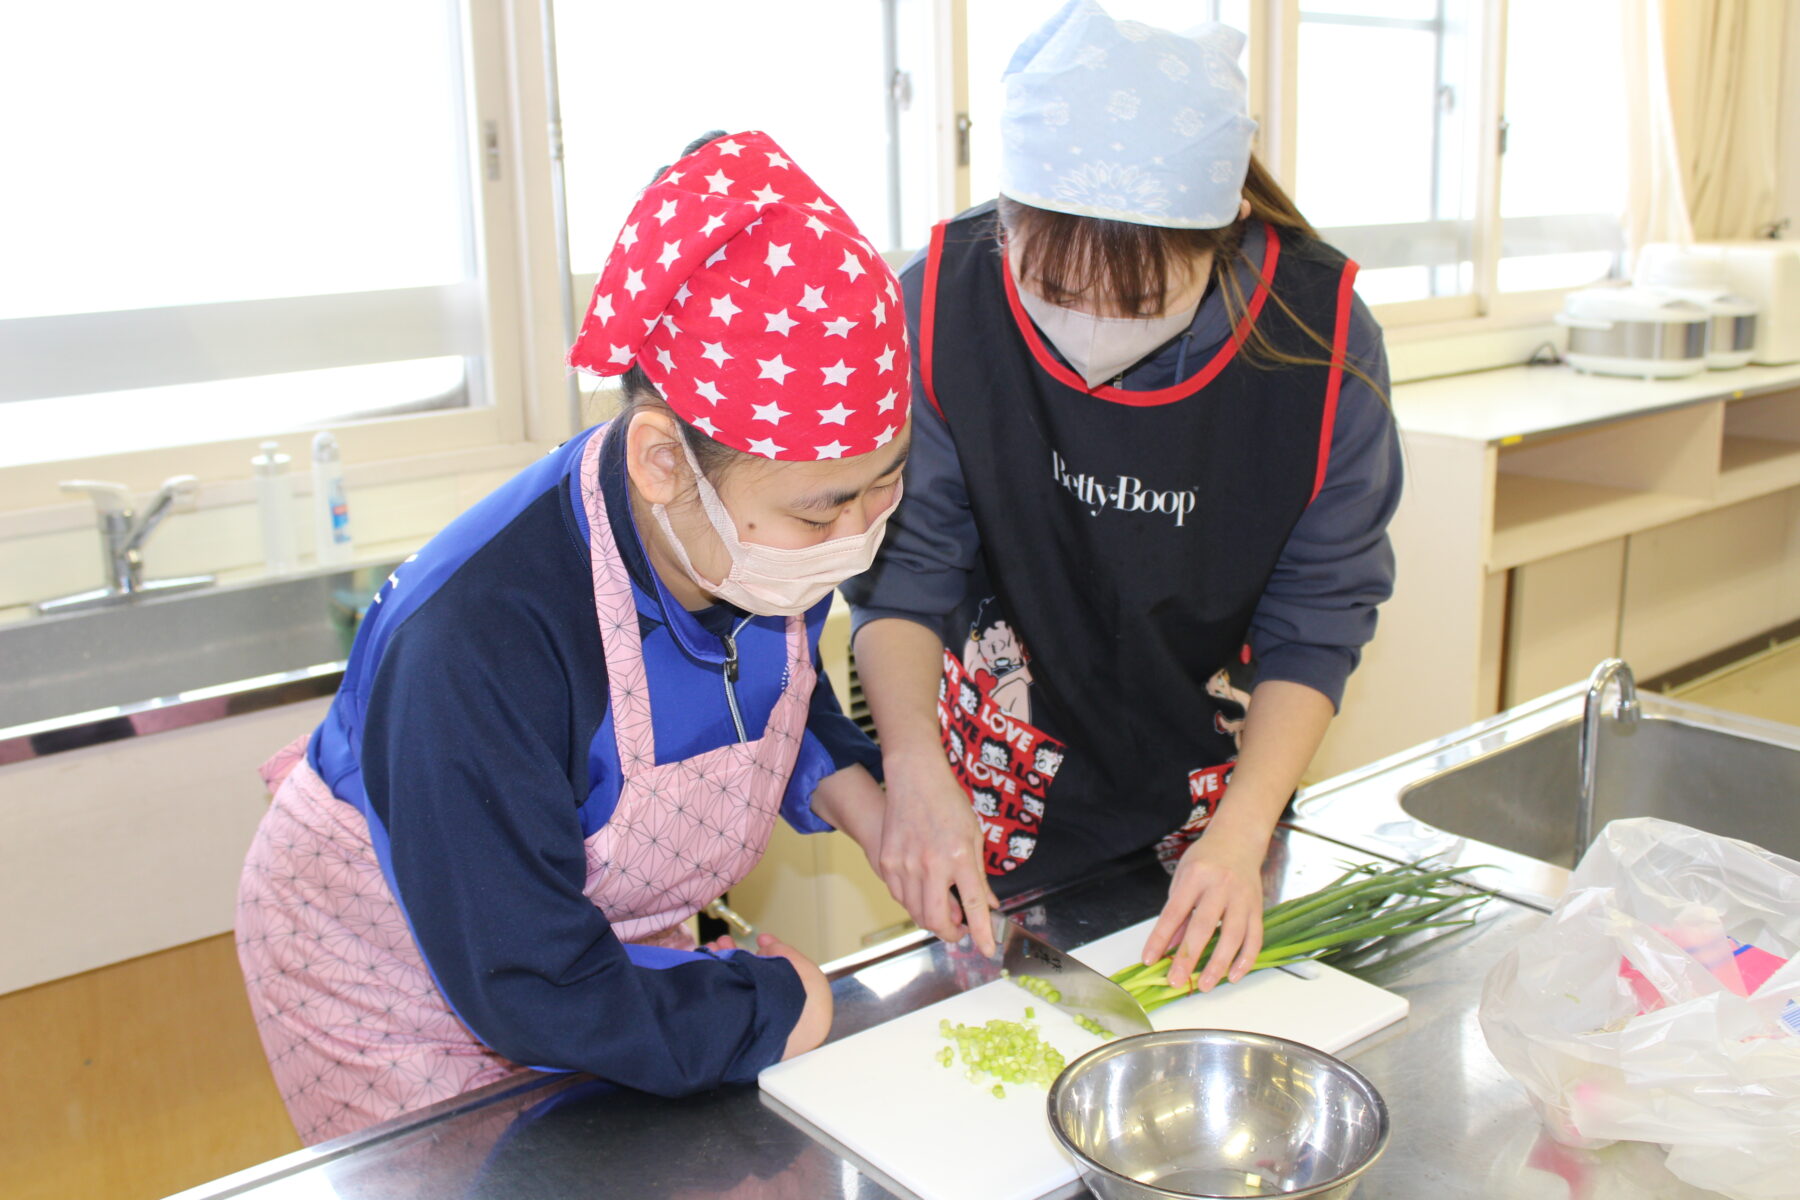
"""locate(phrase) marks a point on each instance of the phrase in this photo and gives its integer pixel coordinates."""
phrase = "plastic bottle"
(275, 499)
(331, 510)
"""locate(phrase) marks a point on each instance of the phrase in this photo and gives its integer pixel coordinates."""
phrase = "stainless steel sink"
(1504, 792)
(1523, 797)
(103, 669)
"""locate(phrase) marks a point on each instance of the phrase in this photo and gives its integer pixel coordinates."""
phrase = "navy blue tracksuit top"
(472, 730)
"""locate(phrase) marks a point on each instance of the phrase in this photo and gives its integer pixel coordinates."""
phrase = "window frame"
(531, 298)
(509, 172)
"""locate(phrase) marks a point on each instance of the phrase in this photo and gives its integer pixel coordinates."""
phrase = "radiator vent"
(856, 704)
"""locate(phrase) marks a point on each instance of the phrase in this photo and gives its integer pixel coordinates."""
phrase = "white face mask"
(1100, 348)
(766, 580)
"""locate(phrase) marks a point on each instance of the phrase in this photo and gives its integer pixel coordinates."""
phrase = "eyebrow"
(826, 501)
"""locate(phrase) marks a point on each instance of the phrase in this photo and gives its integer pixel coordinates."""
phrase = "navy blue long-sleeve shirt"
(1319, 607)
(473, 731)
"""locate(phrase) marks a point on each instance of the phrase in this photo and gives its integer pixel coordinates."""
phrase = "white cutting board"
(884, 1096)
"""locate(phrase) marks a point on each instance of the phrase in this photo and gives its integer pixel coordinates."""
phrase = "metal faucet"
(123, 532)
(1627, 711)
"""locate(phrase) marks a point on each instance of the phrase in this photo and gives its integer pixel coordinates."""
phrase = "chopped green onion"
(1005, 1050)
(999, 1092)
(1363, 906)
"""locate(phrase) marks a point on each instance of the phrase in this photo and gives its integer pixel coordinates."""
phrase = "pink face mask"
(766, 580)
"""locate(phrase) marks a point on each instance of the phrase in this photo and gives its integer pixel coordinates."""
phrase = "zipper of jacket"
(731, 674)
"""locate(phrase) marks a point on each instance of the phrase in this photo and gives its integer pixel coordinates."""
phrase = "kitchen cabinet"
(1551, 519)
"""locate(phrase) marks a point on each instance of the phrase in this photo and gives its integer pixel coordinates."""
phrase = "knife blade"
(1080, 989)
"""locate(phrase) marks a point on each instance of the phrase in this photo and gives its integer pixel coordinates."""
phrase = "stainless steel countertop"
(1461, 1126)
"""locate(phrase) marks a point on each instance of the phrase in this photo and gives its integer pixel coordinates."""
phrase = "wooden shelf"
(1756, 466)
(1536, 518)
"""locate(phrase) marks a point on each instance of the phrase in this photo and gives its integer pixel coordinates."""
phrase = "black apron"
(1097, 677)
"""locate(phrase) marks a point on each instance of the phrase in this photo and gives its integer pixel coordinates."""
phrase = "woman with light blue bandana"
(1144, 533)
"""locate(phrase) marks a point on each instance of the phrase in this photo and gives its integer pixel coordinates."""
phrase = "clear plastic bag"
(1661, 1003)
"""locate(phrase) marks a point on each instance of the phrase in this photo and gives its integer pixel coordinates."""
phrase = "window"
(637, 82)
(244, 219)
(1562, 179)
(1395, 144)
(1387, 99)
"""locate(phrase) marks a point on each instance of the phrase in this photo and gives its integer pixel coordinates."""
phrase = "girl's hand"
(720, 945)
(815, 1019)
(931, 843)
(1217, 887)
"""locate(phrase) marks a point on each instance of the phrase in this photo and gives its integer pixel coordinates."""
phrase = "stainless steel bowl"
(1214, 1112)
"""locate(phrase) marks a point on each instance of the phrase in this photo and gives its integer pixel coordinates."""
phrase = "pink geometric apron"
(354, 1029)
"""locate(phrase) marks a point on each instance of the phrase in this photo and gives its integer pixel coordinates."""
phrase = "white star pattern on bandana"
(743, 232)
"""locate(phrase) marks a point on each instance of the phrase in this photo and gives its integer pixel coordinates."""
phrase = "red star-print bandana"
(762, 315)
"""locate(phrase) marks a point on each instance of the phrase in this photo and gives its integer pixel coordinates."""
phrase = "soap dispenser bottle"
(331, 510)
(275, 499)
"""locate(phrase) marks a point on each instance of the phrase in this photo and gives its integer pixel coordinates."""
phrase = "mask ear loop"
(717, 516)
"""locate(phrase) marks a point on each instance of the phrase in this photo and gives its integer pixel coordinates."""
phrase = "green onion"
(1003, 1050)
(1360, 908)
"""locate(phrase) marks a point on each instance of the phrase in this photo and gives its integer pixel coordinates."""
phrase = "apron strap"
(615, 606)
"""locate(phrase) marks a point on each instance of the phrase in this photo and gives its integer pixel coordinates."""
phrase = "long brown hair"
(1067, 257)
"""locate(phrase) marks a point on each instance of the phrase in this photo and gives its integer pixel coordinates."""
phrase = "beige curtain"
(1657, 209)
(1724, 88)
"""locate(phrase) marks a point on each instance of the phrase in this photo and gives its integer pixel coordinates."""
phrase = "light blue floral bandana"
(1120, 120)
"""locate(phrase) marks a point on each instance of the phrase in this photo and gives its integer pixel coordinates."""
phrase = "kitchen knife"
(1080, 989)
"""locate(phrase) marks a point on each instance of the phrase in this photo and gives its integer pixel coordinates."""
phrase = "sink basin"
(1504, 792)
(1523, 797)
(61, 667)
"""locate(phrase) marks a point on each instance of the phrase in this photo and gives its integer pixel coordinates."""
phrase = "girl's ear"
(1243, 209)
(654, 462)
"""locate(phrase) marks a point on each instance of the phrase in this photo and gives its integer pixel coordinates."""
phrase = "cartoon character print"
(1003, 762)
(998, 661)
(1230, 686)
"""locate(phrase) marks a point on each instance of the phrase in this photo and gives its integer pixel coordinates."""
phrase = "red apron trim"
(1174, 392)
(1340, 339)
(928, 312)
